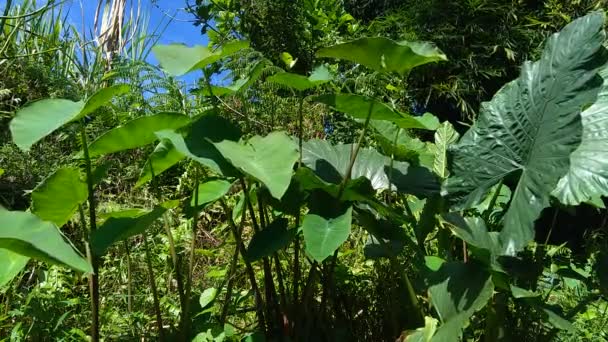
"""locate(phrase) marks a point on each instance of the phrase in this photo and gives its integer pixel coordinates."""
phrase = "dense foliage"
(310, 195)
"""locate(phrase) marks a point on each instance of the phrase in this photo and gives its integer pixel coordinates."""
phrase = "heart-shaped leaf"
(161, 159)
(57, 198)
(209, 192)
(269, 159)
(270, 240)
(384, 55)
(299, 82)
(324, 235)
(530, 128)
(27, 235)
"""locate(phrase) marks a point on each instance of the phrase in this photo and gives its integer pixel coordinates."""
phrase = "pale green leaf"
(385, 55)
(12, 264)
(56, 199)
(136, 133)
(161, 159)
(269, 159)
(211, 191)
(324, 235)
(445, 136)
(26, 234)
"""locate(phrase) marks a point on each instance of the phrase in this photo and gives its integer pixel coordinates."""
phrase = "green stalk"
(129, 279)
(231, 277)
(186, 313)
(159, 317)
(94, 278)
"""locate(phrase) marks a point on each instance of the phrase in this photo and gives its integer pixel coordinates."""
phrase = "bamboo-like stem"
(157, 311)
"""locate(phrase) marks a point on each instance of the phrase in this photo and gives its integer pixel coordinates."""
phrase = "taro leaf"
(359, 106)
(299, 82)
(269, 159)
(502, 199)
(530, 128)
(210, 192)
(473, 231)
(41, 118)
(198, 143)
(445, 136)
(555, 319)
(457, 291)
(376, 248)
(323, 236)
(122, 226)
(161, 159)
(518, 292)
(385, 55)
(136, 133)
(270, 240)
(12, 264)
(57, 198)
(179, 59)
(26, 234)
(588, 175)
(397, 142)
(330, 163)
(386, 238)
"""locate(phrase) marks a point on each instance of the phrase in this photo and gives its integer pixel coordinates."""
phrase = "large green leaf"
(198, 142)
(136, 133)
(41, 118)
(12, 264)
(299, 82)
(270, 240)
(122, 226)
(457, 291)
(57, 198)
(401, 145)
(359, 106)
(161, 159)
(324, 235)
(588, 174)
(26, 234)
(385, 55)
(530, 128)
(330, 163)
(269, 159)
(179, 59)
(239, 85)
(445, 136)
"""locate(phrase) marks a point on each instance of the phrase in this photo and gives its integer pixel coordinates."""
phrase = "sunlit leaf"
(101, 98)
(211, 191)
(57, 198)
(383, 54)
(324, 235)
(136, 133)
(269, 159)
(179, 59)
(27, 235)
(530, 128)
(359, 106)
(401, 145)
(299, 82)
(207, 297)
(445, 136)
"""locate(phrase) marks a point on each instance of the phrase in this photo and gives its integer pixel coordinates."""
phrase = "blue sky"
(180, 30)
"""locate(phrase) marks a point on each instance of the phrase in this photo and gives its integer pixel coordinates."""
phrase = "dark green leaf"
(121, 227)
(57, 198)
(136, 133)
(270, 240)
(383, 54)
(457, 291)
(161, 159)
(531, 127)
(26, 234)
